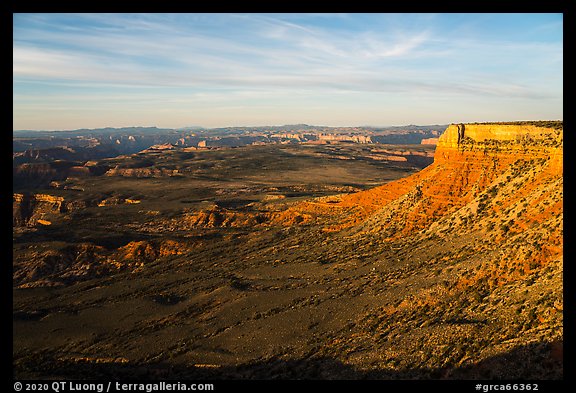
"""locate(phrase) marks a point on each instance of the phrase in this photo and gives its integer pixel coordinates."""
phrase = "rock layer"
(462, 171)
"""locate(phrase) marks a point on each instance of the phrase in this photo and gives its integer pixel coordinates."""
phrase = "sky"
(75, 71)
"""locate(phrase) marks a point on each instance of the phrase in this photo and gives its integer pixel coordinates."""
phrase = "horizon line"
(277, 125)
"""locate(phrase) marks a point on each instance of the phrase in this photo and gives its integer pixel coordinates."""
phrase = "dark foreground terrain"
(175, 262)
(270, 262)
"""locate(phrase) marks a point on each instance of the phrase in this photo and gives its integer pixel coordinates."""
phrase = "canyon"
(318, 261)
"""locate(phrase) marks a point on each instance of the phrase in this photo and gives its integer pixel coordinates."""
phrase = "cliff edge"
(455, 134)
(469, 160)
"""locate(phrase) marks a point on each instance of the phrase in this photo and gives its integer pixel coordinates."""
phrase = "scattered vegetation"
(555, 124)
(443, 274)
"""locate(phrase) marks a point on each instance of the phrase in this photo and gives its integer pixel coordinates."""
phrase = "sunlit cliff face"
(470, 163)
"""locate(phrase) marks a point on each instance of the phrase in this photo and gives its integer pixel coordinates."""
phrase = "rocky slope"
(481, 233)
(453, 272)
(32, 209)
(29, 210)
(57, 263)
(466, 171)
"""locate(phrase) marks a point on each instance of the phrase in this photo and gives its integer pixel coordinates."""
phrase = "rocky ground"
(440, 275)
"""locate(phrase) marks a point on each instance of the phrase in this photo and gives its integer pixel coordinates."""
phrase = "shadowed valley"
(298, 261)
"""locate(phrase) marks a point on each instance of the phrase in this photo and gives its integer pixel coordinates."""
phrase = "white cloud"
(201, 60)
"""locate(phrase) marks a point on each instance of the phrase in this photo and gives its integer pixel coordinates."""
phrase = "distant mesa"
(452, 271)
(429, 141)
(88, 144)
(466, 165)
(160, 147)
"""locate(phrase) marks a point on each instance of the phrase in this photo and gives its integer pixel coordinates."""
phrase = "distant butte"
(296, 261)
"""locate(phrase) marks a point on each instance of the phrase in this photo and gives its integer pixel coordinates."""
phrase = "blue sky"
(174, 70)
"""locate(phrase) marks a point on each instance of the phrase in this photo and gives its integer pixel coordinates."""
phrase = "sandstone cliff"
(479, 237)
(429, 141)
(465, 166)
(455, 272)
(29, 209)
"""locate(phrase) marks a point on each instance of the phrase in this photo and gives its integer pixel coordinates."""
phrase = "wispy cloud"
(298, 57)
(201, 58)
